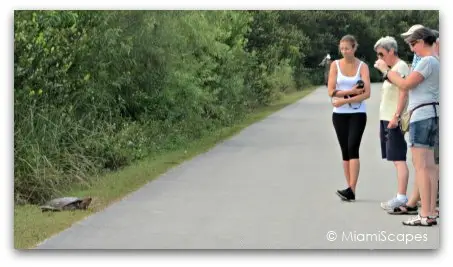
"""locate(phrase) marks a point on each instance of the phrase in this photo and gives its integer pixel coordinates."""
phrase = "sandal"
(420, 221)
(432, 220)
(404, 210)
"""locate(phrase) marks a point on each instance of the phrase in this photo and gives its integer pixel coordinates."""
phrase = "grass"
(31, 226)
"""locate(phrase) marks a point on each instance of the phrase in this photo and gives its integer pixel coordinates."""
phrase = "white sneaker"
(393, 203)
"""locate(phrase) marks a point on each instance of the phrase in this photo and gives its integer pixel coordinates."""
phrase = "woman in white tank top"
(349, 112)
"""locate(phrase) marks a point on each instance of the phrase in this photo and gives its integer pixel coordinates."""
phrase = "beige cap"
(412, 30)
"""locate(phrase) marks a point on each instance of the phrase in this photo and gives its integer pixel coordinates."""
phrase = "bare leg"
(434, 185)
(415, 196)
(354, 168)
(423, 176)
(346, 171)
(402, 173)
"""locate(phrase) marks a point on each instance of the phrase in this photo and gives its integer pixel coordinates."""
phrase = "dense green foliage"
(96, 90)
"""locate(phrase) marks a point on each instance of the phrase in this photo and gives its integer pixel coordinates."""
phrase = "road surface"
(272, 186)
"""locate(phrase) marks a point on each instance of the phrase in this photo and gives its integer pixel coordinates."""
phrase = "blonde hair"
(351, 39)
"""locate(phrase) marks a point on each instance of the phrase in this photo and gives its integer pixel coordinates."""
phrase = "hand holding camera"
(358, 88)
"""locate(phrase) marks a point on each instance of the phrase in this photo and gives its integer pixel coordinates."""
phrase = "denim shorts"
(424, 133)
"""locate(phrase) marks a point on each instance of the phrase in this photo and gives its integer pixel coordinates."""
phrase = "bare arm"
(401, 104)
(405, 84)
(403, 95)
(402, 99)
(332, 81)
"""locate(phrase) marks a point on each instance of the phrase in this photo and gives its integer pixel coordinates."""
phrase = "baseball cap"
(412, 30)
(421, 34)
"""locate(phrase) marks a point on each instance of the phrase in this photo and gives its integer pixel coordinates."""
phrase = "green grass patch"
(31, 226)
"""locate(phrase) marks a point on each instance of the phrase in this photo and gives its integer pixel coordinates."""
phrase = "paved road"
(272, 186)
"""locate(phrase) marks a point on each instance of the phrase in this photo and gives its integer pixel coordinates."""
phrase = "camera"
(360, 84)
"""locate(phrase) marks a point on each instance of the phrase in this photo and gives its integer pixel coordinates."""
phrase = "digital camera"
(360, 84)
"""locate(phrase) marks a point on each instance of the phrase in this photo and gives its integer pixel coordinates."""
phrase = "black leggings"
(349, 128)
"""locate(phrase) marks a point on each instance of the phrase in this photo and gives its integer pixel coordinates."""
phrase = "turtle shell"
(64, 203)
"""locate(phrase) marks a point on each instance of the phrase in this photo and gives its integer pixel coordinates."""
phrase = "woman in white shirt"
(349, 112)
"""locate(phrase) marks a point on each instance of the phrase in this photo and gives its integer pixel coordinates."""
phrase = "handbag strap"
(426, 104)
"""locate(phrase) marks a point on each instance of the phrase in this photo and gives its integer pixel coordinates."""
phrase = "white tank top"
(346, 83)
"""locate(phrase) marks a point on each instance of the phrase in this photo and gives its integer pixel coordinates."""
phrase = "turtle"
(66, 203)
